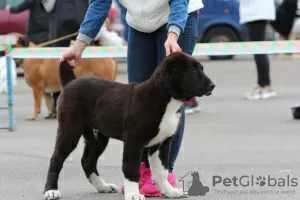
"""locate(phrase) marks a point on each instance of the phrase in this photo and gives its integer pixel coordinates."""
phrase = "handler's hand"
(74, 53)
(171, 44)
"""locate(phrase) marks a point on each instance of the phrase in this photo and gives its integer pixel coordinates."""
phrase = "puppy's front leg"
(131, 168)
(159, 163)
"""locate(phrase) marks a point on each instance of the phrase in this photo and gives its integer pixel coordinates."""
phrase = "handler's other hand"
(171, 44)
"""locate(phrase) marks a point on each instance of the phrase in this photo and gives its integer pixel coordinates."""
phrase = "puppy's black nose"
(211, 85)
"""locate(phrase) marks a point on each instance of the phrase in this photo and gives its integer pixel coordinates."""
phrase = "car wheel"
(220, 34)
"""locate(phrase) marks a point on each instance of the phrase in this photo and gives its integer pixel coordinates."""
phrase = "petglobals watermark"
(254, 181)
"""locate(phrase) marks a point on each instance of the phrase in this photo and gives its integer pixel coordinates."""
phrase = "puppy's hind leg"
(94, 147)
(159, 163)
(68, 136)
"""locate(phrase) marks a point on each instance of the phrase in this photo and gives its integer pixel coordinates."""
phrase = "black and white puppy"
(142, 115)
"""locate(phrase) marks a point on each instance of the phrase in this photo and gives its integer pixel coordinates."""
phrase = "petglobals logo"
(255, 181)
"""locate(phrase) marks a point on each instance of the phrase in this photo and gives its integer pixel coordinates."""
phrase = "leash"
(57, 40)
(107, 21)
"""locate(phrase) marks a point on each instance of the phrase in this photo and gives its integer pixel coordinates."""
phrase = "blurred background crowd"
(219, 21)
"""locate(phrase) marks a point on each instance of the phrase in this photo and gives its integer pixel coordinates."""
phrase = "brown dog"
(43, 77)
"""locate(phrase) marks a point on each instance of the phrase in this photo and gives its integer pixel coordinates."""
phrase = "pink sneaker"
(150, 189)
(172, 179)
(144, 176)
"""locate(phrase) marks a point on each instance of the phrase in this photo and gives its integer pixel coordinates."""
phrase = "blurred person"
(168, 26)
(192, 105)
(38, 22)
(284, 22)
(66, 18)
(123, 19)
(187, 41)
(108, 38)
(37, 32)
(256, 14)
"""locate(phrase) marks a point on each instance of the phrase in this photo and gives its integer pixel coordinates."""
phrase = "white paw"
(132, 196)
(174, 193)
(52, 195)
(108, 188)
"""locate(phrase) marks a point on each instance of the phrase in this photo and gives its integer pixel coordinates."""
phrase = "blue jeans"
(146, 52)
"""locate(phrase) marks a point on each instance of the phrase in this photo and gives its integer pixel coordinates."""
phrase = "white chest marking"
(169, 123)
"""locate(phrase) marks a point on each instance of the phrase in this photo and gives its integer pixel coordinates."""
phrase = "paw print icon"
(261, 181)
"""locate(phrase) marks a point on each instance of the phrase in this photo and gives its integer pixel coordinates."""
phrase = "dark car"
(12, 22)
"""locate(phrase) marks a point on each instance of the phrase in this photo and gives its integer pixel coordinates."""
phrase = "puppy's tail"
(66, 73)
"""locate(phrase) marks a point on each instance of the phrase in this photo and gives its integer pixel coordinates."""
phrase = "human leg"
(150, 189)
(140, 66)
(257, 33)
(263, 90)
(160, 37)
(282, 55)
(141, 56)
(187, 41)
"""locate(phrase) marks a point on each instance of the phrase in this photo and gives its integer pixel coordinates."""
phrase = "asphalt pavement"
(241, 149)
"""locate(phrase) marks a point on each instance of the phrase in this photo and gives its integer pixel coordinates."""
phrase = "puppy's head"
(184, 78)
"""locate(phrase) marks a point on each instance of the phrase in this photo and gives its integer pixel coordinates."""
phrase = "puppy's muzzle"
(211, 87)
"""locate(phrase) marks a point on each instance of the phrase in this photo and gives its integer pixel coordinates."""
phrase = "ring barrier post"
(8, 40)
